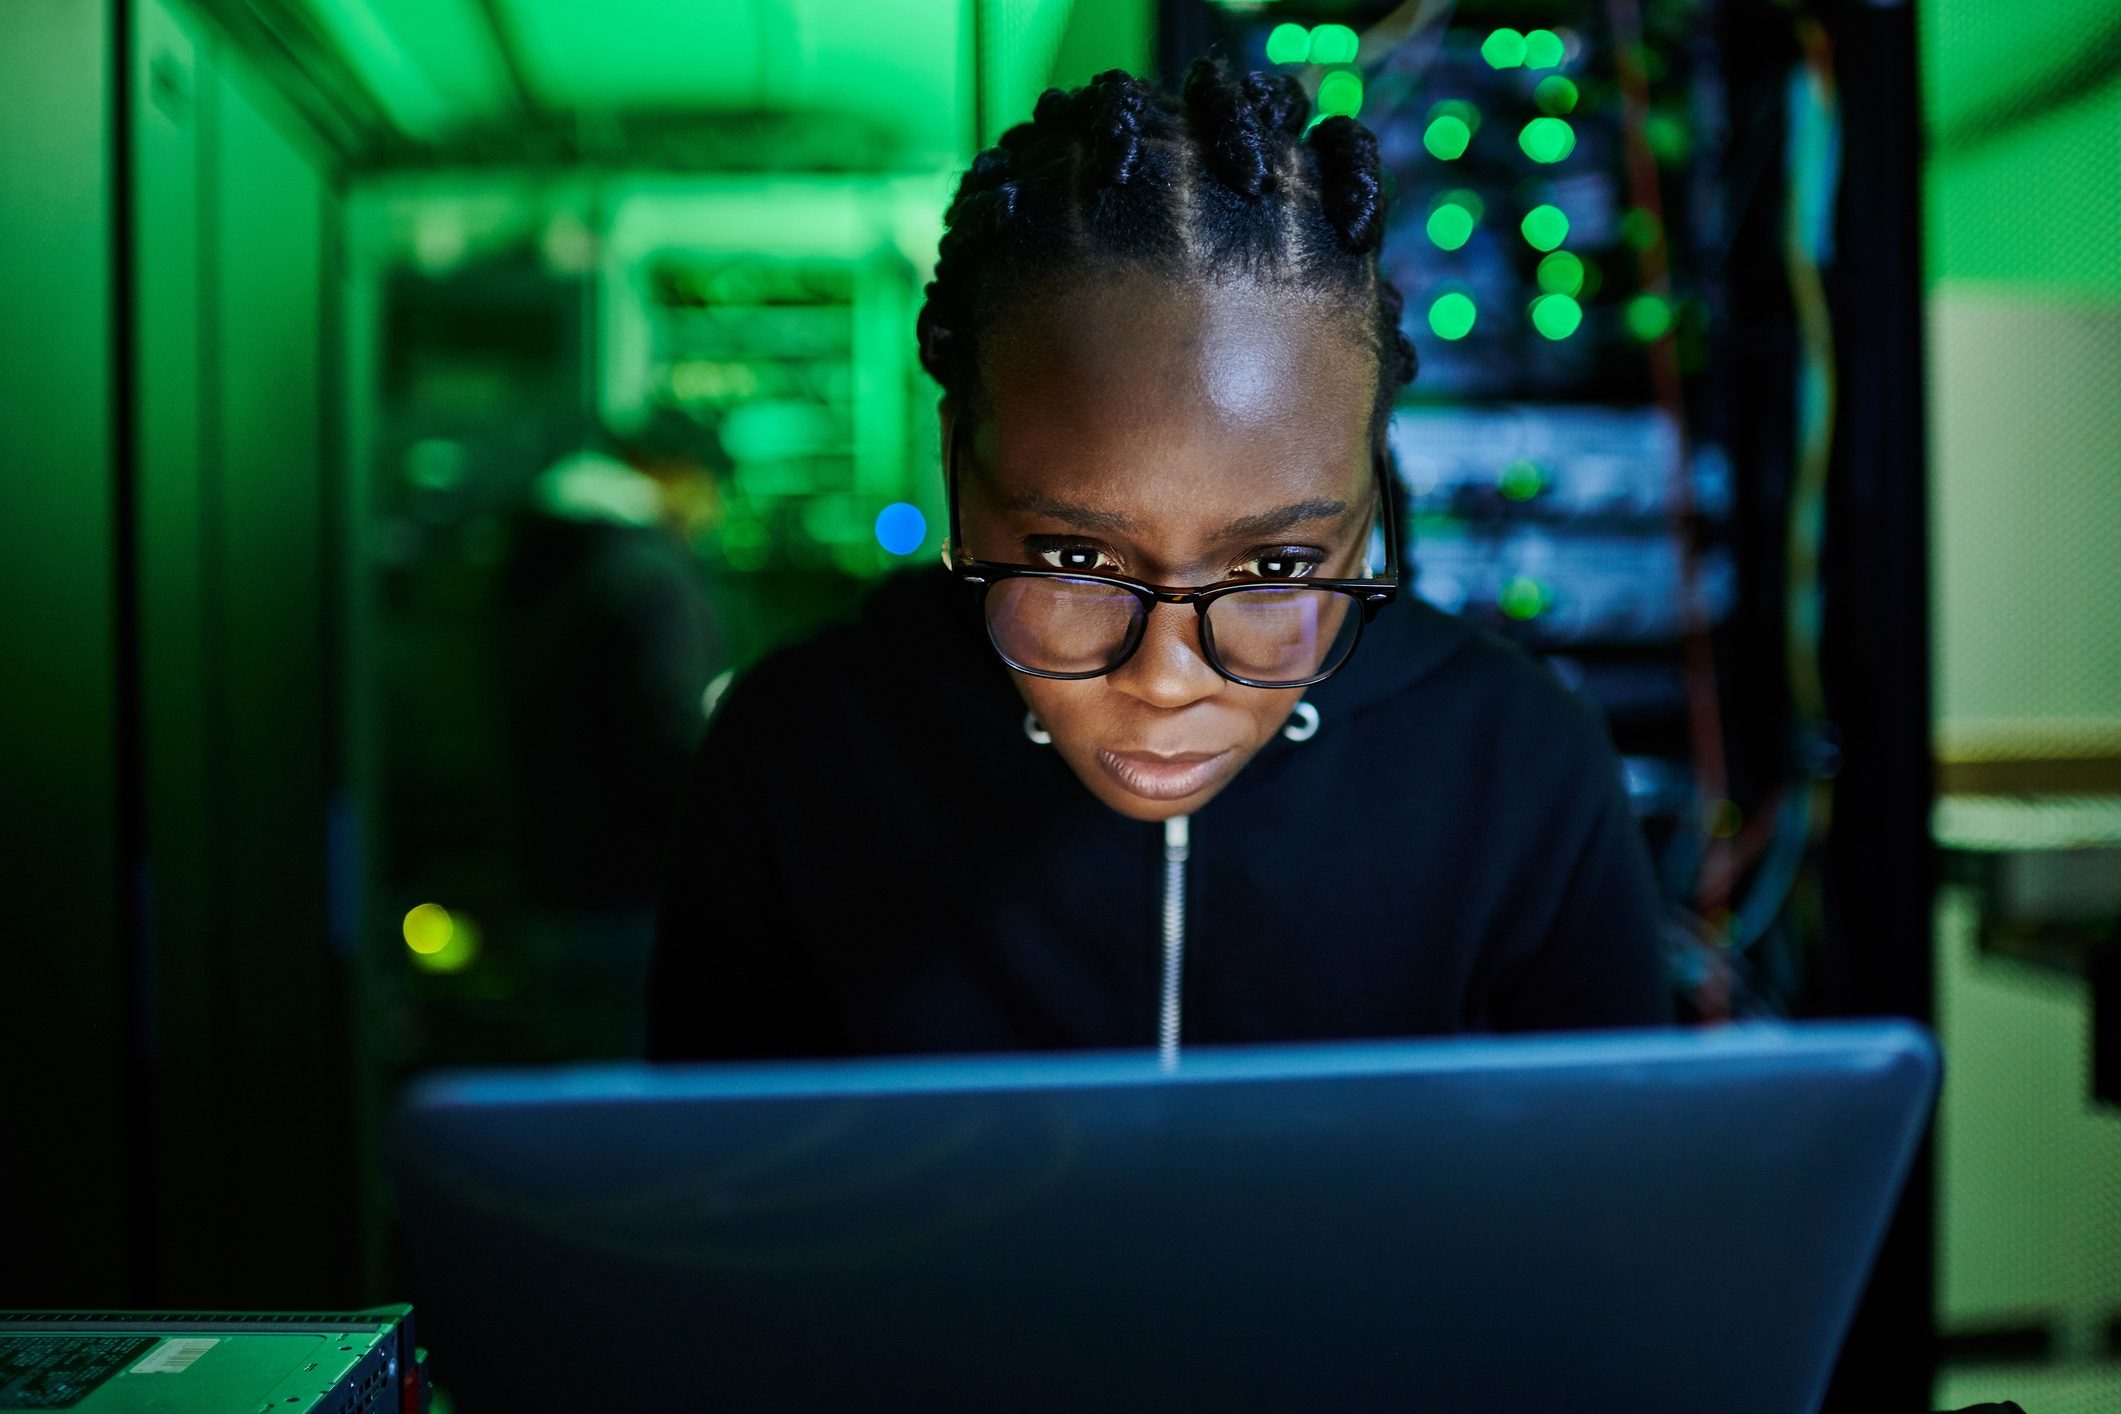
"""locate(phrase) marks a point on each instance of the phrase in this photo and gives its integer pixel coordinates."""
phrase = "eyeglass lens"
(1269, 634)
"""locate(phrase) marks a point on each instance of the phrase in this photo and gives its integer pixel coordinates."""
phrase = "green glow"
(1450, 225)
(1521, 480)
(1446, 138)
(1543, 49)
(1561, 274)
(1547, 139)
(1457, 108)
(1289, 44)
(1556, 316)
(1555, 95)
(1641, 229)
(1468, 198)
(1649, 317)
(1340, 92)
(747, 545)
(1504, 49)
(1452, 316)
(1523, 598)
(1333, 44)
(440, 940)
(1668, 137)
(427, 928)
(1545, 227)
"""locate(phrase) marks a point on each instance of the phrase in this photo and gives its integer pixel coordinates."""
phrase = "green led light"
(427, 928)
(1446, 137)
(1452, 316)
(1457, 108)
(1450, 225)
(1641, 229)
(1547, 139)
(1649, 317)
(1545, 227)
(1333, 44)
(1555, 95)
(1668, 137)
(1523, 598)
(1561, 274)
(440, 941)
(1504, 49)
(1543, 49)
(1521, 480)
(1468, 198)
(1340, 92)
(1556, 316)
(1289, 44)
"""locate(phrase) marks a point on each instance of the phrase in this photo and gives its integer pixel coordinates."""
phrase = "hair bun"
(1117, 103)
(1227, 125)
(1350, 185)
(1280, 101)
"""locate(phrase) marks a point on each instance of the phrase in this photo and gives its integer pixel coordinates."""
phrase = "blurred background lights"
(1451, 316)
(1545, 227)
(1446, 137)
(1547, 139)
(1521, 480)
(1289, 44)
(1543, 49)
(1649, 317)
(901, 528)
(747, 544)
(1504, 49)
(1556, 316)
(1523, 597)
(1333, 44)
(1641, 229)
(1341, 92)
(440, 941)
(1561, 274)
(427, 928)
(1555, 96)
(1450, 225)
(1668, 137)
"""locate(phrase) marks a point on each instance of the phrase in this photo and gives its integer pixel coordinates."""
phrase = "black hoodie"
(873, 857)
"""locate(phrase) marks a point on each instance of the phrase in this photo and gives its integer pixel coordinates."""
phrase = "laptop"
(1642, 1221)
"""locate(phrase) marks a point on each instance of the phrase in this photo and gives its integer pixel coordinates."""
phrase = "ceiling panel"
(893, 63)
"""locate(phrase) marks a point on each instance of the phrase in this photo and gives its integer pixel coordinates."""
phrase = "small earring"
(1038, 734)
(1306, 724)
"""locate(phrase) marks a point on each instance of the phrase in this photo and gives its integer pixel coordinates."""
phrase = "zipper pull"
(1178, 845)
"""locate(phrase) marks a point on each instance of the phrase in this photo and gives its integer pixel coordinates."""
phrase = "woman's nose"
(1169, 668)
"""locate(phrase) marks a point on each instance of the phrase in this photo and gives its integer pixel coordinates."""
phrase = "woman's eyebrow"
(1263, 523)
(1081, 516)
(1276, 521)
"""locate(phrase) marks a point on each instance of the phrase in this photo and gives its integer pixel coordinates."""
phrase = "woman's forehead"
(1222, 392)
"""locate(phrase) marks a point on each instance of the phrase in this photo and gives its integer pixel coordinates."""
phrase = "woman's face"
(1181, 437)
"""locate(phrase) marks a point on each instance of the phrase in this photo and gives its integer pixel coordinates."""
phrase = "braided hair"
(1218, 184)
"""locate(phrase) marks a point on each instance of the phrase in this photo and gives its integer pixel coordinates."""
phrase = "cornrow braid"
(1220, 182)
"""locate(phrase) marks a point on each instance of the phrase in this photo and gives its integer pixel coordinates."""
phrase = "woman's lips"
(1156, 777)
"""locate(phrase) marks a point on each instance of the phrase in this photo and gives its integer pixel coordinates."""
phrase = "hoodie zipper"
(1177, 847)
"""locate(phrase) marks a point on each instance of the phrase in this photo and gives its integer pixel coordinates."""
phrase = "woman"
(1045, 796)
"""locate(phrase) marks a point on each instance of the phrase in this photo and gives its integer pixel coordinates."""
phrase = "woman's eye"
(1278, 567)
(1087, 558)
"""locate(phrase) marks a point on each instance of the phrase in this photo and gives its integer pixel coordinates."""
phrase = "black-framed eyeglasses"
(1071, 624)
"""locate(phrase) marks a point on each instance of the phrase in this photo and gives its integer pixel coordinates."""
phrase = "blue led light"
(901, 528)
